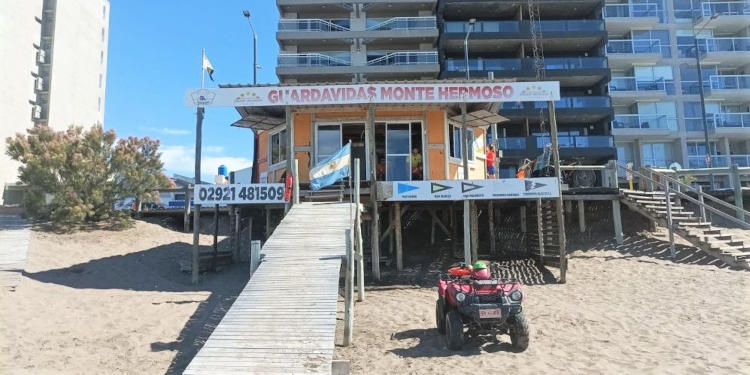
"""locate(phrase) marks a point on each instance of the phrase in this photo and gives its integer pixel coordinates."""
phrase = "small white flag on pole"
(207, 66)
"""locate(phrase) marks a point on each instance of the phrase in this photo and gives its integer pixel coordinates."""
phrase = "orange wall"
(436, 144)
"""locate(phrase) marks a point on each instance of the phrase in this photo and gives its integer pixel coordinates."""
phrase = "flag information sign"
(387, 93)
(452, 190)
(206, 194)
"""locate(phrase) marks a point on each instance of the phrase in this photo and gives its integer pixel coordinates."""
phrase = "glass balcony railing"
(728, 8)
(724, 44)
(402, 23)
(695, 124)
(719, 161)
(313, 59)
(693, 88)
(629, 10)
(633, 46)
(729, 120)
(638, 121)
(553, 63)
(519, 26)
(578, 141)
(633, 84)
(405, 58)
(730, 82)
(566, 102)
(314, 25)
(511, 143)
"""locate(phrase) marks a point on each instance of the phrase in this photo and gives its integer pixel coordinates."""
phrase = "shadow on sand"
(157, 269)
(432, 344)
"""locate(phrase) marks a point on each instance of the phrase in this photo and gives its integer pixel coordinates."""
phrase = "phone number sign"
(206, 194)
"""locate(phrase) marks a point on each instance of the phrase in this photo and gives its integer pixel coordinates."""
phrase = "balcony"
(623, 54)
(378, 8)
(568, 9)
(627, 90)
(719, 161)
(729, 124)
(732, 16)
(323, 33)
(639, 125)
(333, 65)
(506, 36)
(571, 146)
(404, 63)
(621, 18)
(571, 72)
(729, 52)
(730, 87)
(587, 109)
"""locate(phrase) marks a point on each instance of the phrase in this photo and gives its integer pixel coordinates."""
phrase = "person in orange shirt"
(490, 160)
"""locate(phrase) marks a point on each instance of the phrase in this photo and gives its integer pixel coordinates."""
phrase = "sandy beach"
(116, 303)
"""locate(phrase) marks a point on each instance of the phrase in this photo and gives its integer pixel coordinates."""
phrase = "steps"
(549, 233)
(703, 235)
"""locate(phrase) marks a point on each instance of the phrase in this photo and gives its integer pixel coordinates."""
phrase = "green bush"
(75, 176)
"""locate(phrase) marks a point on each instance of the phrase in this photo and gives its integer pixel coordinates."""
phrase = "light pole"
(466, 45)
(701, 91)
(246, 13)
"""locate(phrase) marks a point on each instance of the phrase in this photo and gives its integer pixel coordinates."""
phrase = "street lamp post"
(246, 13)
(466, 45)
(702, 93)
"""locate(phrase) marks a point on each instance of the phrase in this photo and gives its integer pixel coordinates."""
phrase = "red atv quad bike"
(469, 297)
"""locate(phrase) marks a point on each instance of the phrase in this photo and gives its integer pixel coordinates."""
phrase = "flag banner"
(207, 66)
(453, 190)
(334, 168)
(384, 93)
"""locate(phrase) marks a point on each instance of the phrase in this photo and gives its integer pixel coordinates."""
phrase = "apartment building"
(570, 42)
(355, 41)
(655, 85)
(54, 68)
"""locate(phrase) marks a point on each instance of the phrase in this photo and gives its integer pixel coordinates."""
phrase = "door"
(397, 152)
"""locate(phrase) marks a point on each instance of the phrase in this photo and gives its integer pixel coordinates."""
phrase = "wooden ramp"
(284, 320)
(14, 243)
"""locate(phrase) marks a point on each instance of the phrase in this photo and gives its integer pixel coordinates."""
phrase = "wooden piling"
(474, 231)
(254, 256)
(216, 238)
(358, 236)
(467, 232)
(397, 230)
(616, 212)
(374, 224)
(186, 216)
(348, 292)
(491, 219)
(236, 235)
(581, 216)
(737, 189)
(558, 201)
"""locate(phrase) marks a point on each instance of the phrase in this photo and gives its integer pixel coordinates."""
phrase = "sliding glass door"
(397, 152)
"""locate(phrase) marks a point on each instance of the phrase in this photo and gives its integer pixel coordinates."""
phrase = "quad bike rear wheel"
(454, 330)
(519, 332)
(440, 316)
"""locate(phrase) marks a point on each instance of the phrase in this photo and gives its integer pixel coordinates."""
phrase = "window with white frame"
(454, 135)
(657, 154)
(327, 142)
(277, 147)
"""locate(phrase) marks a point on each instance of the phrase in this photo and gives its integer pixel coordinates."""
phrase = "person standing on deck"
(490, 160)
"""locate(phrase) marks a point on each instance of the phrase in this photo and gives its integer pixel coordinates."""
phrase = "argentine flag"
(332, 169)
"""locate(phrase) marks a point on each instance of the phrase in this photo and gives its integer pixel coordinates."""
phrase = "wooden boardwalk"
(14, 243)
(284, 320)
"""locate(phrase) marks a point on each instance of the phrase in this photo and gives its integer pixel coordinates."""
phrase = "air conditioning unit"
(36, 112)
(39, 84)
(41, 56)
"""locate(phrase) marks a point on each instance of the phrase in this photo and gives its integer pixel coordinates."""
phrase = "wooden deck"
(284, 321)
(14, 243)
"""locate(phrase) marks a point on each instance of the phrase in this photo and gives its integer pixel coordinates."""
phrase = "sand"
(107, 302)
(626, 311)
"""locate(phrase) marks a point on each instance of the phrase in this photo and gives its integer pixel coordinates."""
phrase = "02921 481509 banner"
(210, 194)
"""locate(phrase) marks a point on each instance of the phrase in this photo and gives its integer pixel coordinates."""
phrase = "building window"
(278, 147)
(104, 12)
(99, 104)
(103, 34)
(657, 154)
(101, 57)
(699, 148)
(100, 80)
(661, 35)
(455, 141)
(328, 141)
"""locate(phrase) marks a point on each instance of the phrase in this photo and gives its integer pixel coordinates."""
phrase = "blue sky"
(155, 56)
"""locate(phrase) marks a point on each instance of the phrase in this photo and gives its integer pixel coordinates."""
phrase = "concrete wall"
(79, 59)
(19, 31)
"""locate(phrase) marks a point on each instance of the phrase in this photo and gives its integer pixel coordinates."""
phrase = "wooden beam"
(348, 292)
(216, 237)
(559, 201)
(197, 215)
(522, 212)
(491, 217)
(438, 221)
(374, 224)
(290, 148)
(399, 244)
(467, 232)
(737, 189)
(474, 231)
(581, 217)
(358, 235)
(236, 236)
(186, 217)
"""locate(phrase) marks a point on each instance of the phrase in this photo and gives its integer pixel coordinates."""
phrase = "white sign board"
(206, 194)
(391, 93)
(452, 190)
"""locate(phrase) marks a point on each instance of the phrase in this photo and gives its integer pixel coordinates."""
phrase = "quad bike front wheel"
(519, 332)
(440, 316)
(454, 330)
